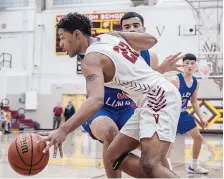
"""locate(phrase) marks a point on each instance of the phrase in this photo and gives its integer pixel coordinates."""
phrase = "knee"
(110, 134)
(148, 164)
(198, 138)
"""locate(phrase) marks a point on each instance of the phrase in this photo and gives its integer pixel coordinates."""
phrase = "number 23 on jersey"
(127, 52)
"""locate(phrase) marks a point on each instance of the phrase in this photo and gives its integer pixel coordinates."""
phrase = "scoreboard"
(101, 23)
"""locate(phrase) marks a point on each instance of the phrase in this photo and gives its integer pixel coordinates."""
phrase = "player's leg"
(197, 142)
(131, 164)
(118, 152)
(156, 137)
(167, 162)
(104, 129)
(120, 158)
(153, 155)
(124, 142)
(180, 129)
(158, 126)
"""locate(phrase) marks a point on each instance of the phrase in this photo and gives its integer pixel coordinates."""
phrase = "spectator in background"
(69, 111)
(1, 106)
(57, 115)
(2, 119)
(5, 120)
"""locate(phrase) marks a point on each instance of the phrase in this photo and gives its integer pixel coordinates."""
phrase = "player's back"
(132, 75)
(186, 92)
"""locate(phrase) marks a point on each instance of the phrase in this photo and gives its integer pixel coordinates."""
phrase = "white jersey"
(159, 101)
(132, 74)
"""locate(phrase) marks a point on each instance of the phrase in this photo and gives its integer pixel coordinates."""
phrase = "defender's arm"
(194, 103)
(138, 41)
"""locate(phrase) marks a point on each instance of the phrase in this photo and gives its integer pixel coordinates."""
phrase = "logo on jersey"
(122, 100)
(122, 95)
(156, 99)
(156, 116)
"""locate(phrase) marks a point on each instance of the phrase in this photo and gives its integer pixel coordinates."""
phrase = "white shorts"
(156, 113)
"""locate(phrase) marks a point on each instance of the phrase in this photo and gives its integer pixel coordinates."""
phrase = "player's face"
(189, 66)
(70, 42)
(133, 25)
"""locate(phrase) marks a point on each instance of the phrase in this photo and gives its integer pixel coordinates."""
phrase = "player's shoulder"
(175, 78)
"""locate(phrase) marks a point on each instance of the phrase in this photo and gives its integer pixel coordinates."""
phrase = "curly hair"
(130, 15)
(75, 21)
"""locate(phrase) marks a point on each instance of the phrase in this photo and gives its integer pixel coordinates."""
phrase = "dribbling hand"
(56, 138)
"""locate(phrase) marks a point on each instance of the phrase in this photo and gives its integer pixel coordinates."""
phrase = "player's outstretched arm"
(138, 41)
(194, 103)
(93, 73)
(92, 70)
(154, 62)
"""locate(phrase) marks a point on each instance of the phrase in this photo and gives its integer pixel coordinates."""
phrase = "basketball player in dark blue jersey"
(188, 87)
(117, 108)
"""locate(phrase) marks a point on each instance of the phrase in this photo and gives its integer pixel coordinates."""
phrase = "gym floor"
(82, 158)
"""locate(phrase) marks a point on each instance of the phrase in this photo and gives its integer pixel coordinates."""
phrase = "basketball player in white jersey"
(111, 60)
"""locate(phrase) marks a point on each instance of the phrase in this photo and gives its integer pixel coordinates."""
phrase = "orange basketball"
(25, 155)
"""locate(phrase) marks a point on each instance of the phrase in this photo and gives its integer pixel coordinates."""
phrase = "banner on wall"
(102, 23)
(212, 111)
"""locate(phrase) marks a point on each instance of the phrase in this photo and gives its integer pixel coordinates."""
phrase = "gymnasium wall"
(30, 38)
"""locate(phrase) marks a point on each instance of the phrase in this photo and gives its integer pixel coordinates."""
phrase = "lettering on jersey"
(122, 95)
(126, 51)
(156, 117)
(186, 95)
(116, 103)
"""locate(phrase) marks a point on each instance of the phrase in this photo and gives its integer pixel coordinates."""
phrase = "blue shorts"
(186, 123)
(120, 117)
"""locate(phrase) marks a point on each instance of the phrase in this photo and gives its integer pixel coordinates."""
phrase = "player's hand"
(170, 63)
(204, 124)
(56, 138)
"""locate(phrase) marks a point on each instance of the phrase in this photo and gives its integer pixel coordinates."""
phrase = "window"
(14, 3)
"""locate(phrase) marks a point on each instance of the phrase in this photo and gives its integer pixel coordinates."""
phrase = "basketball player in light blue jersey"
(118, 107)
(188, 87)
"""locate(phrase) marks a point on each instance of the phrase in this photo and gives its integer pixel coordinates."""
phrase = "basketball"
(25, 155)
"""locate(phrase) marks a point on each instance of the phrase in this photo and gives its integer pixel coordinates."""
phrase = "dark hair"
(130, 15)
(189, 56)
(75, 21)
